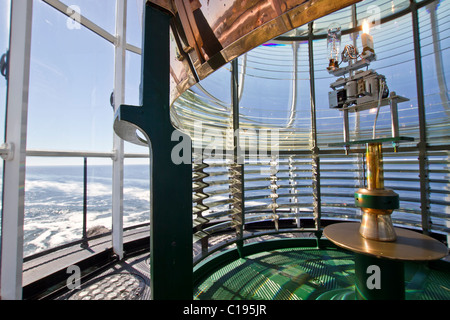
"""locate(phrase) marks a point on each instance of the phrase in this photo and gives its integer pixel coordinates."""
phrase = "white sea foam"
(52, 235)
(45, 233)
(76, 188)
(67, 187)
(137, 193)
(96, 189)
(54, 204)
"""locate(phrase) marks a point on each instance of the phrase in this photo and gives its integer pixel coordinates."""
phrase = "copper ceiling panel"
(207, 34)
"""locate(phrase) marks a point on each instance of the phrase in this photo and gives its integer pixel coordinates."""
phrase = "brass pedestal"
(377, 206)
(377, 226)
(376, 202)
(386, 257)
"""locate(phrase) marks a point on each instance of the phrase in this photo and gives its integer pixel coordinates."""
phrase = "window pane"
(394, 47)
(434, 22)
(71, 80)
(134, 22)
(53, 206)
(136, 204)
(132, 78)
(54, 203)
(435, 47)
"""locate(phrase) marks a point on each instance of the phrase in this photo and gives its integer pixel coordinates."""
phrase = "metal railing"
(85, 155)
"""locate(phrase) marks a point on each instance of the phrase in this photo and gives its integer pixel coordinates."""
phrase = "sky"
(71, 79)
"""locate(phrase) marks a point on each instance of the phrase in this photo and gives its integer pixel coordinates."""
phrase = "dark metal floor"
(125, 280)
(285, 274)
(130, 279)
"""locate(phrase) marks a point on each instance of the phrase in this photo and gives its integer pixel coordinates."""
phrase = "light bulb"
(366, 39)
(365, 27)
(333, 44)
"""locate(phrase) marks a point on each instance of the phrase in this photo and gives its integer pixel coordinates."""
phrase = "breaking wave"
(54, 198)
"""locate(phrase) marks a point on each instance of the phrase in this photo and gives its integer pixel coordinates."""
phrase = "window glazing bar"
(317, 209)
(11, 259)
(118, 144)
(82, 154)
(242, 76)
(133, 49)
(63, 8)
(360, 157)
(422, 145)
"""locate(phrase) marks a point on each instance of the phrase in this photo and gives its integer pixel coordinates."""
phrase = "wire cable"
(380, 95)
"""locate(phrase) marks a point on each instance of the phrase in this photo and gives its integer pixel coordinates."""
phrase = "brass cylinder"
(376, 202)
(374, 162)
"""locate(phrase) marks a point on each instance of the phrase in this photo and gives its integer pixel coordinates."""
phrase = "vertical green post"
(171, 270)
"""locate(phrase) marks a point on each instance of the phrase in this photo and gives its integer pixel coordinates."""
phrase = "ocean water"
(54, 202)
(54, 199)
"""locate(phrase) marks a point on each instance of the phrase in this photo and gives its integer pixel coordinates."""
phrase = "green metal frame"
(171, 184)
